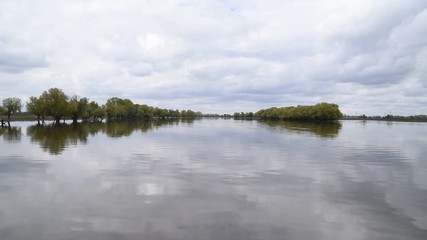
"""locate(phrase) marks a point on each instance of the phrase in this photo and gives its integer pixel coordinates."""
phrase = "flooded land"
(214, 179)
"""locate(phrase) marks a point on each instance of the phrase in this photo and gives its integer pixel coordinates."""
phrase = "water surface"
(214, 179)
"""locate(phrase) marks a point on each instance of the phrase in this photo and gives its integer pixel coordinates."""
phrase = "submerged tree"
(318, 112)
(117, 108)
(96, 112)
(78, 108)
(11, 106)
(37, 107)
(56, 103)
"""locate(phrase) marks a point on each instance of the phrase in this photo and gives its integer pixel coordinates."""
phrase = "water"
(214, 179)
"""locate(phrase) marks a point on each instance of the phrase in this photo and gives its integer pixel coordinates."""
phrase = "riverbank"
(414, 118)
(24, 116)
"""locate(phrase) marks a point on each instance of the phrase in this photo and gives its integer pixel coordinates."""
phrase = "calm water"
(214, 179)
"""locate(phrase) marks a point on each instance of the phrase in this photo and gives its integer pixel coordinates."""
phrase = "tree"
(11, 106)
(188, 114)
(99, 113)
(84, 108)
(115, 108)
(173, 113)
(56, 103)
(132, 111)
(37, 107)
(146, 111)
(78, 108)
(95, 112)
(318, 112)
(120, 109)
(160, 113)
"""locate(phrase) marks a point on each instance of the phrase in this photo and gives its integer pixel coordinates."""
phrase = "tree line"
(389, 117)
(318, 112)
(54, 103)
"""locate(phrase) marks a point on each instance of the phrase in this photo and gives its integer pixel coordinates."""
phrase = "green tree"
(84, 108)
(132, 110)
(318, 112)
(117, 108)
(78, 108)
(37, 107)
(160, 113)
(57, 104)
(99, 114)
(146, 111)
(173, 113)
(11, 106)
(96, 112)
(188, 114)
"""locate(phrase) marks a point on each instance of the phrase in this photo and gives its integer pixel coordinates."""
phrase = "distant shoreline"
(25, 116)
(388, 118)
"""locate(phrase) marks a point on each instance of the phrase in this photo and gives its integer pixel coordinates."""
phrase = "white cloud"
(219, 55)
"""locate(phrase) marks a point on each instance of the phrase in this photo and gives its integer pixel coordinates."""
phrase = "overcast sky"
(220, 56)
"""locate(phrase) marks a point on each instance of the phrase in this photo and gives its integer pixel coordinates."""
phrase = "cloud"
(250, 54)
(140, 69)
(17, 58)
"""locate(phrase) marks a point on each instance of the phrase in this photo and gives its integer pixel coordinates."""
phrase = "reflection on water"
(56, 137)
(121, 129)
(11, 134)
(321, 129)
(215, 179)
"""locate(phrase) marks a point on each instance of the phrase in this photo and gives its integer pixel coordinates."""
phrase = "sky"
(220, 56)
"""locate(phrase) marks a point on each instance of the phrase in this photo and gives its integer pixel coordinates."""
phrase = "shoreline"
(24, 117)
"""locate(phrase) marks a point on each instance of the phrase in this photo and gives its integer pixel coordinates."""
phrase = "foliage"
(389, 117)
(11, 106)
(79, 108)
(56, 104)
(96, 112)
(318, 112)
(216, 115)
(37, 107)
(119, 109)
(243, 115)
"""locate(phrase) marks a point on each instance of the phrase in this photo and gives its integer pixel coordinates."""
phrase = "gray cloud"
(17, 58)
(220, 55)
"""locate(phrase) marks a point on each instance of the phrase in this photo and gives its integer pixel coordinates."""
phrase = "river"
(214, 179)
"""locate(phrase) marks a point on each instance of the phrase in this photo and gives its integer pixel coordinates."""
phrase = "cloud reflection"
(224, 179)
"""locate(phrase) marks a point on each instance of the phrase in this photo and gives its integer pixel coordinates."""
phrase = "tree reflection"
(126, 128)
(11, 134)
(120, 129)
(55, 138)
(321, 129)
